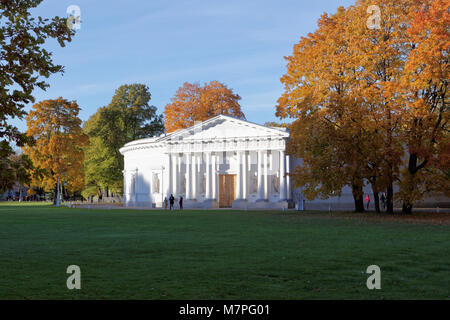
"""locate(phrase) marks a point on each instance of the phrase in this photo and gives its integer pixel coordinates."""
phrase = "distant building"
(14, 193)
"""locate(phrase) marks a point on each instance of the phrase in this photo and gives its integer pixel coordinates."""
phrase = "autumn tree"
(403, 76)
(424, 91)
(327, 132)
(193, 102)
(55, 127)
(378, 56)
(354, 87)
(128, 117)
(274, 124)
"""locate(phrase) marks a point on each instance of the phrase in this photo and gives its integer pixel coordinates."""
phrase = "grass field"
(130, 254)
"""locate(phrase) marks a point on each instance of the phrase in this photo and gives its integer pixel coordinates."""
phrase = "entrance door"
(227, 190)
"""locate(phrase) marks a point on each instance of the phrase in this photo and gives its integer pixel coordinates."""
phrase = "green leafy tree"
(23, 60)
(6, 172)
(128, 117)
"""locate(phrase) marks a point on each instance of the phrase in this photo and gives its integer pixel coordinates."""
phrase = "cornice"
(212, 145)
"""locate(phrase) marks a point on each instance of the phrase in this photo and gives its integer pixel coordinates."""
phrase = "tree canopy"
(23, 60)
(24, 64)
(193, 102)
(128, 117)
(55, 127)
(367, 102)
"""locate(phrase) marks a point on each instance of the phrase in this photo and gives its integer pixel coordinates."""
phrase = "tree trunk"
(58, 194)
(55, 192)
(358, 198)
(390, 199)
(377, 201)
(413, 168)
(20, 193)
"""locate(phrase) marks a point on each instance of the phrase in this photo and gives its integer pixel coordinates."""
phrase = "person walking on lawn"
(171, 201)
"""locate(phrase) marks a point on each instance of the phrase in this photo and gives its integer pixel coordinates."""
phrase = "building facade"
(225, 162)
(221, 162)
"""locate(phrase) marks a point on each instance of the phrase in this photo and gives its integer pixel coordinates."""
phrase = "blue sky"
(165, 43)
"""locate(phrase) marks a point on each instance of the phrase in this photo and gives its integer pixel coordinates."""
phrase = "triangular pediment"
(225, 127)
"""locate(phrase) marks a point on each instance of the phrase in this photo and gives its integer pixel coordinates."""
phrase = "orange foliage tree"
(55, 127)
(360, 96)
(193, 102)
(424, 95)
(328, 132)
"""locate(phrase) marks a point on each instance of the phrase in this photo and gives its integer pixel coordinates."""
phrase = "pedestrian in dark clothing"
(181, 203)
(171, 201)
(383, 201)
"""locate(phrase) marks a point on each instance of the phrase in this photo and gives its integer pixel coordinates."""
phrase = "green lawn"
(129, 254)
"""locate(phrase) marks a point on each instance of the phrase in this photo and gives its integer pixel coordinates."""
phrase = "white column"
(194, 176)
(244, 177)
(174, 174)
(169, 175)
(208, 176)
(260, 176)
(288, 178)
(124, 188)
(266, 182)
(179, 176)
(135, 185)
(239, 176)
(162, 185)
(188, 176)
(282, 176)
(213, 176)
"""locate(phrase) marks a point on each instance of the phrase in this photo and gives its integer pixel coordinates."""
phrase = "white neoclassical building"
(221, 162)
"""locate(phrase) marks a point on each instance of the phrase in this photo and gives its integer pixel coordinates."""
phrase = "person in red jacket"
(367, 201)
